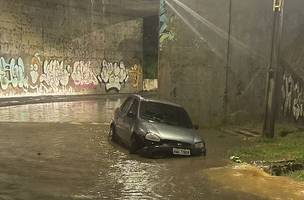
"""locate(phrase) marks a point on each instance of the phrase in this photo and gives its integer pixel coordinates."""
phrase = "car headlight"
(199, 145)
(152, 137)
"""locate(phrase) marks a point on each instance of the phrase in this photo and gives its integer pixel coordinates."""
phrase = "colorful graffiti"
(134, 75)
(292, 95)
(113, 75)
(54, 76)
(49, 76)
(36, 63)
(165, 34)
(83, 75)
(12, 73)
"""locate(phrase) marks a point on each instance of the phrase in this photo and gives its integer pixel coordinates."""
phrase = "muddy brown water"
(62, 151)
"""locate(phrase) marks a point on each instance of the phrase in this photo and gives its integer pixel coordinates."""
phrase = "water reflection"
(80, 111)
(137, 178)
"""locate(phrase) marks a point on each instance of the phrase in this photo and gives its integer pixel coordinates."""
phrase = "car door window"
(134, 107)
(126, 106)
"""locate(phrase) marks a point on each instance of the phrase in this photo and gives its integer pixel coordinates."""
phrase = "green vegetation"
(298, 175)
(287, 145)
(290, 147)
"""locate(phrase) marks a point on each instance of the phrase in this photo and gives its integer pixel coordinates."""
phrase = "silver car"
(151, 127)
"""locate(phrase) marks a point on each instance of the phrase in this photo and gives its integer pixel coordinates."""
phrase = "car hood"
(168, 132)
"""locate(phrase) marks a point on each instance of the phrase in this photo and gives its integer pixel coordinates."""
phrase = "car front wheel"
(112, 134)
(135, 144)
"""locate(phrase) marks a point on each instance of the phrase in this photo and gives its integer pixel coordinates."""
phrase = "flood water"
(62, 151)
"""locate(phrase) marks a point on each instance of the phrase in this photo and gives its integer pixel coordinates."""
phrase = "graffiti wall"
(292, 96)
(47, 76)
(54, 48)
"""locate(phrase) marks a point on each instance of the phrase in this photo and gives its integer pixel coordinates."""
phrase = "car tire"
(134, 146)
(112, 134)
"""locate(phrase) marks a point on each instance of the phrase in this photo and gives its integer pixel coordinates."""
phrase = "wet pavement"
(62, 151)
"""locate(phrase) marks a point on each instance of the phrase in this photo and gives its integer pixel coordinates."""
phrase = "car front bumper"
(167, 150)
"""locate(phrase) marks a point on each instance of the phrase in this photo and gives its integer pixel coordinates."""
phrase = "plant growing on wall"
(165, 34)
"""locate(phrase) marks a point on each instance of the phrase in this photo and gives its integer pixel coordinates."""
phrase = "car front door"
(120, 123)
(129, 120)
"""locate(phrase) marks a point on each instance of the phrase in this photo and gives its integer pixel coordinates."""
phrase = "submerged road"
(62, 151)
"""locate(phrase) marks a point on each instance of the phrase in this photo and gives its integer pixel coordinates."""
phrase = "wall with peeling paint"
(50, 48)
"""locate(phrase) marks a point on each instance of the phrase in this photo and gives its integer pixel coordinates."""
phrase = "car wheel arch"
(112, 132)
(134, 143)
(137, 137)
(134, 135)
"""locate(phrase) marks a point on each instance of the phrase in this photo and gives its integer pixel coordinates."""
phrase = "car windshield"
(164, 113)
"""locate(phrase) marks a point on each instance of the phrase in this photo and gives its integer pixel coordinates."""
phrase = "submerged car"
(152, 127)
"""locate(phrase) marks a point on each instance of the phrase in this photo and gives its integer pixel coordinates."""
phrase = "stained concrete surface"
(62, 151)
(207, 73)
(64, 47)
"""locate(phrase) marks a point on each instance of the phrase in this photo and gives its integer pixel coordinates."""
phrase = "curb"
(14, 101)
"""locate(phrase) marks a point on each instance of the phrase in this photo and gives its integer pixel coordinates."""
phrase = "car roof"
(141, 98)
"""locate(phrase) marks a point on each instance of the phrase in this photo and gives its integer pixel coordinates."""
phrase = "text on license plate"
(183, 152)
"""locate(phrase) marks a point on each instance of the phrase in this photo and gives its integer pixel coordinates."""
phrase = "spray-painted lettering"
(12, 73)
(83, 75)
(113, 75)
(293, 99)
(54, 76)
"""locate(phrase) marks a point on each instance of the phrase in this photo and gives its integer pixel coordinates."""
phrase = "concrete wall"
(250, 55)
(291, 104)
(67, 47)
(195, 57)
(150, 47)
(188, 67)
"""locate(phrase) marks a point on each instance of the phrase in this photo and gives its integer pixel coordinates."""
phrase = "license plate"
(183, 152)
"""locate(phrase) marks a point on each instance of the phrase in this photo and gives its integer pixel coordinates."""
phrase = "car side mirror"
(131, 115)
(196, 127)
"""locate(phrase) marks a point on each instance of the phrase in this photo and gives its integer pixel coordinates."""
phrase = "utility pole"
(227, 67)
(271, 90)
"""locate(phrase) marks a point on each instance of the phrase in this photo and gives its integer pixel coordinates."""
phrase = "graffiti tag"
(55, 74)
(113, 75)
(293, 99)
(12, 73)
(83, 75)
